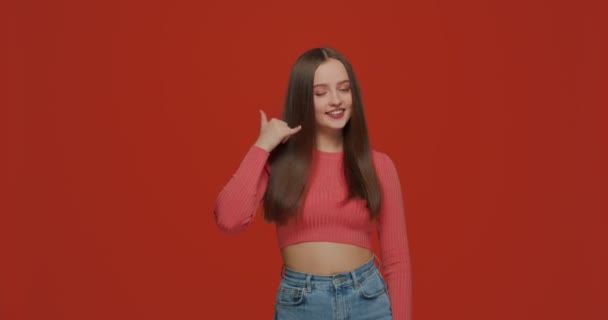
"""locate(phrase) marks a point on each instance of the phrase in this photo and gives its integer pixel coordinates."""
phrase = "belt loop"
(379, 263)
(308, 285)
(352, 273)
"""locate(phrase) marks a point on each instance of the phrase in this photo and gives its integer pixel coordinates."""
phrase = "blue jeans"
(359, 294)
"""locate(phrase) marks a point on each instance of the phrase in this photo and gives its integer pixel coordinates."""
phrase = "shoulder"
(385, 168)
(381, 159)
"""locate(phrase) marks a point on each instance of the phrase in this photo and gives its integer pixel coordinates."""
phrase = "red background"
(122, 120)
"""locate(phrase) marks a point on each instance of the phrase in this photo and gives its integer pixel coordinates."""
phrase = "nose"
(336, 100)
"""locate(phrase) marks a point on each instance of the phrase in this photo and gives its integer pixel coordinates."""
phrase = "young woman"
(324, 188)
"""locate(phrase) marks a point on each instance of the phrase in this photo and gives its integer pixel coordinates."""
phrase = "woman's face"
(332, 96)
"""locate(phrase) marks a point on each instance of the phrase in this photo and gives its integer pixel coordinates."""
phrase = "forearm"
(239, 200)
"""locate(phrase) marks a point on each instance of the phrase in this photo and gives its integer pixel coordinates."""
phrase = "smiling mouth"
(335, 112)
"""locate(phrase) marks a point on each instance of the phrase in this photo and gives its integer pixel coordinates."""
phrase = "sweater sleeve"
(238, 202)
(392, 236)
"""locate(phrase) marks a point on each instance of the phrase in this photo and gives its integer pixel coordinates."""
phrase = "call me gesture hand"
(274, 132)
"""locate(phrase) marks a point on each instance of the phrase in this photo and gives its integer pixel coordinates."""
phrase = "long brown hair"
(290, 162)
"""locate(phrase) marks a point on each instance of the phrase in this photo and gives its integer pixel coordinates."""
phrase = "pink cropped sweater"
(325, 218)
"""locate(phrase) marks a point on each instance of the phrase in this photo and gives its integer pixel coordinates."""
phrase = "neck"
(330, 141)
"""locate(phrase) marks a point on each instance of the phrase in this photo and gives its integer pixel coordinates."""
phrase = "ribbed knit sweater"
(325, 217)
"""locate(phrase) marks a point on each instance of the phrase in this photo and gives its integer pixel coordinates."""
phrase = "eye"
(320, 94)
(345, 89)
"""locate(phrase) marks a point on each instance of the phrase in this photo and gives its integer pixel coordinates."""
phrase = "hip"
(357, 294)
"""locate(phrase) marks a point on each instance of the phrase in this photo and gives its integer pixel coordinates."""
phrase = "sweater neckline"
(329, 154)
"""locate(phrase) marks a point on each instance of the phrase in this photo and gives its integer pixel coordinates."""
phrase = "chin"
(335, 126)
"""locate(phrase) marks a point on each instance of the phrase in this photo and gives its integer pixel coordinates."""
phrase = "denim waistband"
(352, 277)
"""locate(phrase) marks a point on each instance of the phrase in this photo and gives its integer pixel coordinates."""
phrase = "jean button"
(339, 280)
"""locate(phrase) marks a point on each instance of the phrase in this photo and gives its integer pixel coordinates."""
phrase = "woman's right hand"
(274, 132)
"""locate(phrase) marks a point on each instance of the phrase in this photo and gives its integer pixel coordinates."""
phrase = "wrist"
(262, 146)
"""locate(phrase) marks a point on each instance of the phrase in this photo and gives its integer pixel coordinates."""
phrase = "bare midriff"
(324, 258)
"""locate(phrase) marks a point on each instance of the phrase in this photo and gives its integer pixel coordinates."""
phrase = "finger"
(296, 129)
(263, 118)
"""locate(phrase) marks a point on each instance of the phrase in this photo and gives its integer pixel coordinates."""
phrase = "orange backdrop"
(122, 120)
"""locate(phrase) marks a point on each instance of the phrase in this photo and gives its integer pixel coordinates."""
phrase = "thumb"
(263, 119)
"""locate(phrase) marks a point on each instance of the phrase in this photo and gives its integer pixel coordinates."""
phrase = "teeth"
(335, 112)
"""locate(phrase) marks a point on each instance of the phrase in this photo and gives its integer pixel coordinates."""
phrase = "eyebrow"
(325, 85)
